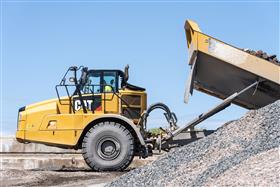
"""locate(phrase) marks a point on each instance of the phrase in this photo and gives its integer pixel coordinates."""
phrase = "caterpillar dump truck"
(106, 117)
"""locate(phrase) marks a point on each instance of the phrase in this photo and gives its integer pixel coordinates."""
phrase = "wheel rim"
(108, 148)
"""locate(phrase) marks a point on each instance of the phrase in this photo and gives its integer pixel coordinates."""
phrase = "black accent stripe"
(21, 109)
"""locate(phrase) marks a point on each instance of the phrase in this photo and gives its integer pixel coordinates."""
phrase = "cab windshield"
(100, 82)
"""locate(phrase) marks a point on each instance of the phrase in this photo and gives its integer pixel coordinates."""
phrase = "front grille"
(131, 112)
(131, 106)
(131, 99)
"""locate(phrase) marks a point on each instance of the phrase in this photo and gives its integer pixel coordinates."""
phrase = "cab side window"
(93, 83)
(110, 81)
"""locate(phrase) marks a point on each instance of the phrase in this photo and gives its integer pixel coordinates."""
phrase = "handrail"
(93, 85)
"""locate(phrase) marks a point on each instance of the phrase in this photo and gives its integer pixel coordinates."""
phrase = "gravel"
(257, 173)
(242, 152)
(263, 55)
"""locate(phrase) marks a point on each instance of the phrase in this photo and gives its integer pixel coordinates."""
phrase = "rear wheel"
(108, 146)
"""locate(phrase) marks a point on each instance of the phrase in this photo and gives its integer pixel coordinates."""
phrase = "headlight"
(19, 116)
(20, 113)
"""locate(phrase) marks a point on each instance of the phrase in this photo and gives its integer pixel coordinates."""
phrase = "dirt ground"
(64, 178)
(67, 170)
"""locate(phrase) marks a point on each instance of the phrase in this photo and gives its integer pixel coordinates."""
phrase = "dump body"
(220, 69)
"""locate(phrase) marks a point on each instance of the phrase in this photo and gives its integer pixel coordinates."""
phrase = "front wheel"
(108, 146)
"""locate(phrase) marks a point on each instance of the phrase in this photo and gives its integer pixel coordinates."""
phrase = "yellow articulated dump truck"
(106, 117)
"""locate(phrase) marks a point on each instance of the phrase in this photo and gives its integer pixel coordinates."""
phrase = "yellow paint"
(52, 122)
(229, 54)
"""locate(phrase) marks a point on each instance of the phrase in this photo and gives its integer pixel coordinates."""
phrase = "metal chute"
(220, 69)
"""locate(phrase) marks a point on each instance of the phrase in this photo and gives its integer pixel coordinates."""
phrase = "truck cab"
(107, 92)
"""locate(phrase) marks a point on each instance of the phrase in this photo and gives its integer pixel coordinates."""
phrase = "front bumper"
(20, 136)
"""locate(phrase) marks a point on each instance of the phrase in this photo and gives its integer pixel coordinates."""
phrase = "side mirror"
(83, 78)
(71, 79)
(73, 68)
(126, 74)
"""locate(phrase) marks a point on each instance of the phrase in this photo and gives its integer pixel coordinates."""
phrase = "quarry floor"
(39, 165)
(60, 169)
(66, 178)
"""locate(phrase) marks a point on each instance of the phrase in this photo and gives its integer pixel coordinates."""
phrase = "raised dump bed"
(220, 69)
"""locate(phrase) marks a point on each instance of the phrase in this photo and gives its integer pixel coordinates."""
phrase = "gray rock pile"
(262, 169)
(241, 152)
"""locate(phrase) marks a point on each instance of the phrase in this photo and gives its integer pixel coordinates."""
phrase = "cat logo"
(78, 104)
(91, 103)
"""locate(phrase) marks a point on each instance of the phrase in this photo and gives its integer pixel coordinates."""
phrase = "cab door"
(99, 94)
(91, 95)
(110, 92)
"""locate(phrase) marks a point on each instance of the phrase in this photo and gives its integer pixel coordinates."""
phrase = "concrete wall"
(15, 155)
(9, 144)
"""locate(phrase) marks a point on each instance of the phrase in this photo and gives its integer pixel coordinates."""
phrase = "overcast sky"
(41, 39)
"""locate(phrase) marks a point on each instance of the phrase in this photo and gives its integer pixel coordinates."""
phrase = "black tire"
(108, 146)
